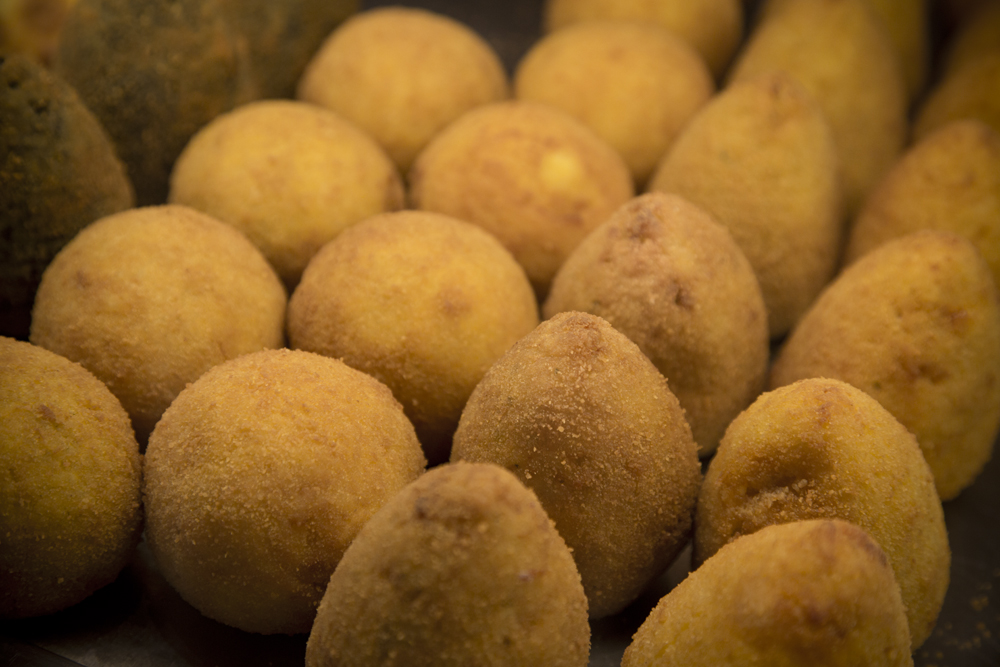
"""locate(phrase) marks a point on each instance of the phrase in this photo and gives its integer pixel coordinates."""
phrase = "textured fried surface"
(822, 449)
(424, 302)
(635, 85)
(289, 175)
(577, 412)
(672, 279)
(713, 27)
(533, 176)
(70, 513)
(259, 476)
(150, 298)
(403, 74)
(916, 324)
(761, 159)
(805, 593)
(841, 53)
(950, 181)
(59, 172)
(462, 567)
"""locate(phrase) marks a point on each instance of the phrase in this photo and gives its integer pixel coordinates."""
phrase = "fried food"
(634, 84)
(59, 173)
(403, 75)
(533, 176)
(461, 567)
(820, 448)
(261, 473)
(150, 298)
(289, 175)
(424, 302)
(70, 510)
(713, 27)
(948, 181)
(761, 159)
(154, 72)
(841, 54)
(914, 323)
(668, 276)
(907, 24)
(817, 592)
(971, 90)
(584, 419)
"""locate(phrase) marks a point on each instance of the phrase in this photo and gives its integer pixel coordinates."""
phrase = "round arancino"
(289, 175)
(150, 298)
(70, 510)
(423, 302)
(403, 74)
(531, 175)
(259, 476)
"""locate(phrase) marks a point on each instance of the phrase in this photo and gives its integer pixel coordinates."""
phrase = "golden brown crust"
(584, 419)
(259, 476)
(820, 448)
(70, 510)
(461, 567)
(403, 74)
(533, 176)
(761, 159)
(916, 324)
(841, 54)
(150, 298)
(714, 28)
(424, 302)
(289, 175)
(669, 277)
(817, 592)
(634, 84)
(950, 181)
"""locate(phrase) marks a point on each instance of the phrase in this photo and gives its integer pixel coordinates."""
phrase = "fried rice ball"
(423, 302)
(667, 275)
(842, 55)
(585, 420)
(531, 175)
(261, 473)
(58, 173)
(915, 323)
(403, 74)
(289, 175)
(950, 181)
(714, 28)
(634, 84)
(461, 567)
(820, 448)
(70, 507)
(150, 298)
(817, 592)
(761, 159)
(971, 90)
